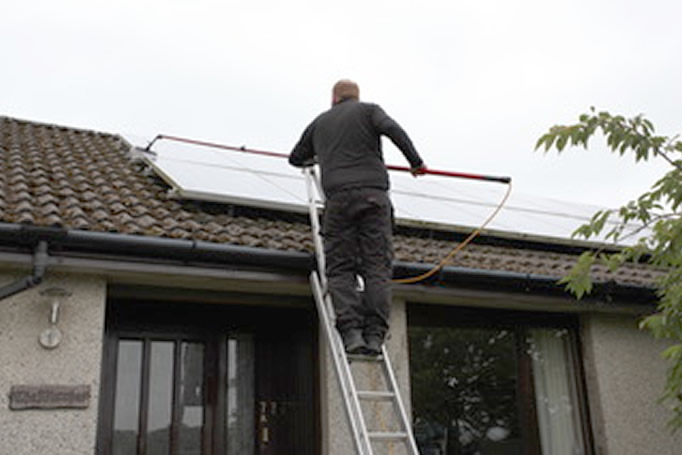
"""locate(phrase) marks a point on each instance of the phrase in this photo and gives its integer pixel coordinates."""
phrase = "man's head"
(345, 89)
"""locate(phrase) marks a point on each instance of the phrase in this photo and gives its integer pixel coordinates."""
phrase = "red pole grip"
(461, 175)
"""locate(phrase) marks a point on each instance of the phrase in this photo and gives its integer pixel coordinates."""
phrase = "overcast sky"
(475, 83)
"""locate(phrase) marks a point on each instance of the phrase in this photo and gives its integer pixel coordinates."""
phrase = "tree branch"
(674, 164)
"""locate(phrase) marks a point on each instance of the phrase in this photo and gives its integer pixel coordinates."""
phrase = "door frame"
(211, 323)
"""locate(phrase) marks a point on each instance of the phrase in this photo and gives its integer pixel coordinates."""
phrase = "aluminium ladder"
(364, 438)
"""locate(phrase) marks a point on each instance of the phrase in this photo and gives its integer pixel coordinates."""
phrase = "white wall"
(76, 361)
(625, 376)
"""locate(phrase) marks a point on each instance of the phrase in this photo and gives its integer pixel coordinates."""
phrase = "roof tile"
(74, 212)
(48, 209)
(100, 215)
(117, 208)
(145, 221)
(24, 217)
(45, 197)
(24, 206)
(53, 219)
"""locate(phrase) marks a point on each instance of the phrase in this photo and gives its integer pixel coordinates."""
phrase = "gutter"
(525, 283)
(34, 279)
(153, 249)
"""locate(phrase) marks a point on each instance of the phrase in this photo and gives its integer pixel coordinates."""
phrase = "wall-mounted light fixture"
(55, 298)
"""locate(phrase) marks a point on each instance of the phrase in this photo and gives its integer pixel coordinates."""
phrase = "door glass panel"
(127, 407)
(160, 397)
(465, 386)
(240, 394)
(555, 392)
(191, 399)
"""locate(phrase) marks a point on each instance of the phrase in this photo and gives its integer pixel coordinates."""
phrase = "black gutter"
(524, 283)
(34, 279)
(150, 249)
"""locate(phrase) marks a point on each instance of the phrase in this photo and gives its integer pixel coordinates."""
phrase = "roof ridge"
(89, 131)
(60, 126)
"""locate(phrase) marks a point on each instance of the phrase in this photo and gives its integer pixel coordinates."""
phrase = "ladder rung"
(388, 436)
(364, 358)
(375, 395)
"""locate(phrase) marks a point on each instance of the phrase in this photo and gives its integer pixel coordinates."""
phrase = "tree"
(658, 213)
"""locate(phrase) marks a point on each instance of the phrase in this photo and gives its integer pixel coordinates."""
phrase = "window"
(495, 382)
(159, 397)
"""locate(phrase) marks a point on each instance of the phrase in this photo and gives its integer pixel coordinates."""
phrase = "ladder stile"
(343, 372)
(311, 177)
(399, 401)
(351, 397)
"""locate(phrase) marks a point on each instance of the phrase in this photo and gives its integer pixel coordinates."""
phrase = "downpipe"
(35, 278)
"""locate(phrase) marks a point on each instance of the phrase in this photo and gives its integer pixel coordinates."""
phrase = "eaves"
(234, 263)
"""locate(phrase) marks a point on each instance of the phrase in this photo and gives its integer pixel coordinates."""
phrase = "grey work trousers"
(357, 230)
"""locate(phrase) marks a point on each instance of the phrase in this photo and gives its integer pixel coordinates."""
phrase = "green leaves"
(578, 281)
(622, 135)
(595, 226)
(560, 136)
(657, 219)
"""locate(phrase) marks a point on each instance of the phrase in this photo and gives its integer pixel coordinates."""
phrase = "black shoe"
(373, 346)
(353, 342)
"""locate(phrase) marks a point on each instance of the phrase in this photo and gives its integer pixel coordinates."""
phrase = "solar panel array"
(202, 173)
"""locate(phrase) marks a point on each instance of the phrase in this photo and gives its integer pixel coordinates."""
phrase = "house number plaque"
(49, 397)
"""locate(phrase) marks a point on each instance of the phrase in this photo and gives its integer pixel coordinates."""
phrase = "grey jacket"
(346, 142)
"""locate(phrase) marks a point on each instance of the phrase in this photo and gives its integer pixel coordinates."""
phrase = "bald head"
(345, 89)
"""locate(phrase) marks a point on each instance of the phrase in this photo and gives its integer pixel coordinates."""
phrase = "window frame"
(519, 321)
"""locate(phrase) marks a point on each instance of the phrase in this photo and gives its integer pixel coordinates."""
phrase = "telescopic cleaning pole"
(460, 175)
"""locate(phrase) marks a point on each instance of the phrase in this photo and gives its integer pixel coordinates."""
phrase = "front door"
(191, 379)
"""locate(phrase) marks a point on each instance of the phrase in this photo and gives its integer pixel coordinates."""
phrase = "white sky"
(474, 83)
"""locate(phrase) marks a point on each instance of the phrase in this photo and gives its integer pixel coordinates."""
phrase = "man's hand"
(419, 170)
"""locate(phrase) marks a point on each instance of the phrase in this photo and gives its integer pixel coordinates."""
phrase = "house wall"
(625, 377)
(624, 374)
(76, 361)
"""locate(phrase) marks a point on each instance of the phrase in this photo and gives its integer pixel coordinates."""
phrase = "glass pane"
(555, 392)
(127, 405)
(240, 394)
(465, 390)
(160, 397)
(191, 398)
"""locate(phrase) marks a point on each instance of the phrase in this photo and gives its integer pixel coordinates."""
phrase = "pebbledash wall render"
(111, 231)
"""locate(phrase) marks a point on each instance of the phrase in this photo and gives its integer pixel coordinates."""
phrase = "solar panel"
(203, 173)
(248, 181)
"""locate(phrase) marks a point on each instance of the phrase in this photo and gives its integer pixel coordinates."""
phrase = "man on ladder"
(358, 216)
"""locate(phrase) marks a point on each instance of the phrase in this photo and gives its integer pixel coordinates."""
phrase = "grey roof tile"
(23, 217)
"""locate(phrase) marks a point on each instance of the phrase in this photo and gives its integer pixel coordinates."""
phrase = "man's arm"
(390, 128)
(303, 154)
